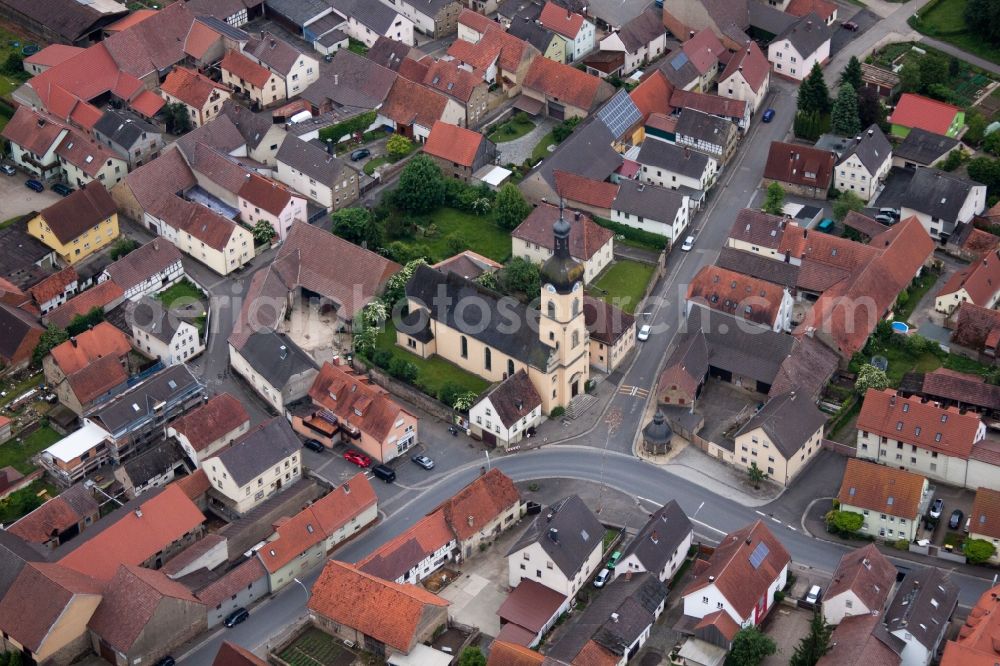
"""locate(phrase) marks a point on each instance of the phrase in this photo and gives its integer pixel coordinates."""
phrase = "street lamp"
(489, 465)
(303, 587)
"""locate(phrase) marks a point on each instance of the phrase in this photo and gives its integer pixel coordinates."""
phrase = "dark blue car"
(35, 185)
(768, 116)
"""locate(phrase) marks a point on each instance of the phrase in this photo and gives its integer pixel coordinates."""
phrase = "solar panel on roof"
(758, 555)
(619, 114)
(679, 61)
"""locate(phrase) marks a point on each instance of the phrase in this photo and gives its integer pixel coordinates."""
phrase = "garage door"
(557, 111)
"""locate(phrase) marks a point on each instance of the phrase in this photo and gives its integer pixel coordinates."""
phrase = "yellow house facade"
(494, 337)
(79, 225)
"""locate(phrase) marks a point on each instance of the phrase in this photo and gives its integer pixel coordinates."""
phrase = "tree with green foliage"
(177, 117)
(978, 551)
(472, 656)
(844, 522)
(53, 336)
(510, 207)
(871, 111)
(933, 71)
(263, 232)
(14, 65)
(520, 276)
(420, 189)
(814, 96)
(844, 119)
(398, 147)
(357, 226)
(756, 474)
(991, 144)
(348, 128)
(85, 322)
(808, 126)
(975, 127)
(845, 203)
(909, 77)
(953, 161)
(403, 370)
(982, 17)
(562, 131)
(813, 645)
(395, 286)
(852, 73)
(985, 170)
(374, 313)
(749, 647)
(870, 377)
(774, 199)
(123, 246)
(364, 339)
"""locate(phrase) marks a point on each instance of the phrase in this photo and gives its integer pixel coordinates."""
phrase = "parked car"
(688, 244)
(237, 616)
(358, 458)
(35, 185)
(956, 519)
(826, 226)
(314, 445)
(936, 508)
(812, 597)
(8, 169)
(423, 461)
(62, 189)
(849, 25)
(887, 220)
(644, 332)
(602, 577)
(613, 560)
(360, 154)
(768, 115)
(891, 212)
(384, 472)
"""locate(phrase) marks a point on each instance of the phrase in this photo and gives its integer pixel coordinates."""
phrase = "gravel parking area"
(17, 200)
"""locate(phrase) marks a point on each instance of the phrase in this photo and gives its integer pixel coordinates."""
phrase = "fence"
(837, 447)
(421, 400)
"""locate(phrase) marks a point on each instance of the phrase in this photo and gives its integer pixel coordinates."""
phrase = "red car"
(359, 459)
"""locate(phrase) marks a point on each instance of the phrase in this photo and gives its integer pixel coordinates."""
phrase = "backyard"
(965, 86)
(473, 232)
(514, 128)
(9, 44)
(316, 648)
(914, 293)
(432, 373)
(541, 150)
(186, 299)
(623, 284)
(18, 454)
(944, 20)
(22, 502)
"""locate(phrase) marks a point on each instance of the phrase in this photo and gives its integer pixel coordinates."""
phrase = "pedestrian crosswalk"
(636, 391)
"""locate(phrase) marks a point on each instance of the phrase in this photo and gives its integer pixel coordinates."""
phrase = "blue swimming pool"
(900, 327)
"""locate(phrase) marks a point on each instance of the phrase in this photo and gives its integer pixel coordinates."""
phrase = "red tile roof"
(446, 76)
(478, 504)
(978, 640)
(32, 130)
(19, 334)
(85, 154)
(97, 378)
(475, 20)
(946, 430)
(981, 280)
(453, 143)
(586, 237)
(799, 165)
(82, 350)
(925, 113)
(410, 103)
(135, 18)
(530, 605)
(194, 485)
(867, 573)
(199, 39)
(730, 570)
(56, 516)
(266, 194)
(976, 327)
(342, 392)
(984, 518)
(754, 64)
(561, 21)
(243, 67)
(95, 297)
(503, 653)
(147, 103)
(388, 612)
(724, 624)
(584, 190)
(220, 416)
(875, 487)
(399, 555)
(704, 50)
(822, 8)
(53, 55)
(567, 84)
(711, 104)
(132, 539)
(231, 654)
(54, 285)
(495, 45)
(190, 87)
(740, 295)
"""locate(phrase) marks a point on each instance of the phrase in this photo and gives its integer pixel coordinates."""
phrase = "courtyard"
(623, 284)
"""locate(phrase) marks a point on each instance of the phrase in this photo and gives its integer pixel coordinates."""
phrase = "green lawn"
(357, 46)
(901, 362)
(22, 502)
(945, 16)
(183, 289)
(375, 163)
(479, 234)
(623, 284)
(510, 130)
(434, 372)
(18, 454)
(541, 151)
(8, 83)
(945, 21)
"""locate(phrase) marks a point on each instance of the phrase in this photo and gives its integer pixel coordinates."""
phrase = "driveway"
(518, 150)
(865, 18)
(894, 188)
(17, 200)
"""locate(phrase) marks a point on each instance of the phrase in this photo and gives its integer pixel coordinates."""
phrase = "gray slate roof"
(275, 357)
(649, 201)
(578, 532)
(807, 34)
(937, 193)
(259, 450)
(374, 15)
(531, 32)
(298, 11)
(754, 265)
(587, 152)
(673, 158)
(642, 29)
(442, 294)
(123, 127)
(769, 19)
(310, 159)
(662, 534)
(704, 126)
(153, 462)
(168, 384)
(634, 602)
(514, 398)
(152, 317)
(19, 252)
(388, 53)
(351, 80)
(14, 553)
(789, 420)
(923, 147)
(251, 126)
(923, 605)
(873, 149)
(678, 69)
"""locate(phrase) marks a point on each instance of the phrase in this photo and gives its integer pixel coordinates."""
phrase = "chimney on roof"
(614, 617)
(576, 216)
(569, 14)
(156, 246)
(470, 520)
(809, 25)
(554, 535)
(871, 132)
(690, 34)
(72, 340)
(654, 537)
(687, 153)
(329, 148)
(262, 35)
(711, 579)
(274, 42)
(138, 513)
(347, 488)
(41, 122)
